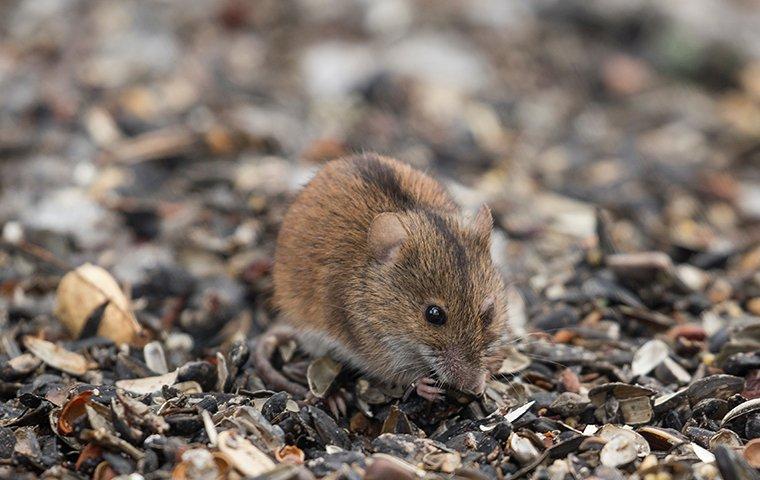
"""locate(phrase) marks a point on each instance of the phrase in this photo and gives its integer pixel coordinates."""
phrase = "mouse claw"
(332, 404)
(426, 389)
(342, 405)
(336, 402)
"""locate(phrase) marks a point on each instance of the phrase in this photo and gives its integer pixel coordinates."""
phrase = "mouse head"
(435, 295)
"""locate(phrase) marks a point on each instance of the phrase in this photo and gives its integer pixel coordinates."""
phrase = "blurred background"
(169, 136)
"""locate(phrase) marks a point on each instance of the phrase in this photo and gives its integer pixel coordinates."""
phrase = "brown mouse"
(376, 267)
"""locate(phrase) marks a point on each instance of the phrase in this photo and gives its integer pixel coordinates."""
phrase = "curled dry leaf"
(290, 454)
(72, 411)
(82, 291)
(243, 455)
(56, 356)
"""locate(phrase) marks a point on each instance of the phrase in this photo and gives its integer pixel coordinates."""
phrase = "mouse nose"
(478, 384)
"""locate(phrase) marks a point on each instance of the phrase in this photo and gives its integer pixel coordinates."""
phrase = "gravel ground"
(148, 151)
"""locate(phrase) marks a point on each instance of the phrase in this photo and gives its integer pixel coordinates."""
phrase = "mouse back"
(367, 251)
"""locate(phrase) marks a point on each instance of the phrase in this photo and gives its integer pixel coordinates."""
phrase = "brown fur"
(369, 312)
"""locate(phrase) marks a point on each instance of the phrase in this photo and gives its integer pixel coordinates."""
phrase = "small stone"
(720, 291)
(641, 266)
(625, 75)
(694, 278)
(753, 306)
(749, 197)
(13, 232)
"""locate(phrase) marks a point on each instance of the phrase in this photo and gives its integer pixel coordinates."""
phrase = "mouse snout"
(463, 375)
(476, 384)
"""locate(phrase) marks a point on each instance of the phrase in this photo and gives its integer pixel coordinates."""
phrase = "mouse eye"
(435, 315)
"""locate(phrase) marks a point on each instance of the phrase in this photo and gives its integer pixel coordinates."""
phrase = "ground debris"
(149, 150)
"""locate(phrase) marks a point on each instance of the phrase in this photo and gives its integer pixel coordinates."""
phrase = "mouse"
(376, 266)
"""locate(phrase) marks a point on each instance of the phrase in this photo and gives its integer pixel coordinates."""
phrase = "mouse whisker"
(544, 359)
(545, 332)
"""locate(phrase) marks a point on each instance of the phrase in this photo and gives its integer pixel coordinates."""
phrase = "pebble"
(13, 232)
(333, 69)
(753, 306)
(441, 60)
(720, 291)
(71, 212)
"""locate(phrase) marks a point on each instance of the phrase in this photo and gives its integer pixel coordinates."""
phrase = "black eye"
(435, 315)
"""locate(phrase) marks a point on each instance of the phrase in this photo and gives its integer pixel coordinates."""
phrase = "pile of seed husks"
(148, 152)
(629, 365)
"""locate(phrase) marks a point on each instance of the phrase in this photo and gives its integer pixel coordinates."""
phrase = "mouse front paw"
(337, 403)
(425, 388)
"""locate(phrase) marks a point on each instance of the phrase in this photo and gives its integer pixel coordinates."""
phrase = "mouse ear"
(386, 234)
(482, 222)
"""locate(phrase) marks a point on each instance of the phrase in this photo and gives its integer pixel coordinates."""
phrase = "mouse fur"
(366, 247)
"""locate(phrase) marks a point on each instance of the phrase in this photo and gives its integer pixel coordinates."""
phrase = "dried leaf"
(290, 454)
(85, 289)
(56, 356)
(73, 410)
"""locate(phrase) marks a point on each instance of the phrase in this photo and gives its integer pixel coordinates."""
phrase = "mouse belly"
(318, 344)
